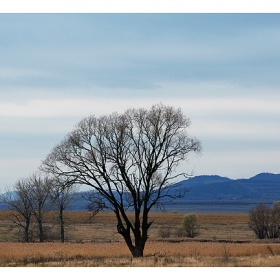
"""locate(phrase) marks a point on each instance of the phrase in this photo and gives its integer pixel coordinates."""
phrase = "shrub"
(179, 231)
(274, 222)
(265, 220)
(164, 232)
(258, 220)
(190, 225)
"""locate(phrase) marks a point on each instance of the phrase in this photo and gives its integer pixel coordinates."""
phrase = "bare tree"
(129, 160)
(265, 220)
(274, 221)
(258, 220)
(39, 192)
(18, 201)
(62, 195)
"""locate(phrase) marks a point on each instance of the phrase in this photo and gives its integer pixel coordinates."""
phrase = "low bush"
(265, 220)
(189, 227)
(164, 232)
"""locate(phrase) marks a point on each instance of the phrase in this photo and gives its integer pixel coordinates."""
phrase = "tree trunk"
(138, 251)
(62, 238)
(26, 231)
(41, 234)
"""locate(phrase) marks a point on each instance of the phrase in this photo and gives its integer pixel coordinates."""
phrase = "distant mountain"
(264, 186)
(213, 193)
(267, 177)
(207, 179)
(3, 206)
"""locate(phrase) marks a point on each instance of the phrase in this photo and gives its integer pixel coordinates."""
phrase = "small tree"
(38, 192)
(274, 221)
(265, 221)
(28, 200)
(189, 226)
(62, 194)
(258, 220)
(18, 201)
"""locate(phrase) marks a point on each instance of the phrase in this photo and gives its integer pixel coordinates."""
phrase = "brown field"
(224, 240)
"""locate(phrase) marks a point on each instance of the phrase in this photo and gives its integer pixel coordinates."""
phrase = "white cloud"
(98, 106)
(250, 118)
(227, 130)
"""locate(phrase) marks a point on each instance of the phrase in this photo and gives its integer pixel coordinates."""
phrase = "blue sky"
(222, 69)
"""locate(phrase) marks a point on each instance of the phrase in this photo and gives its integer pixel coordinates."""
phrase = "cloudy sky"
(222, 69)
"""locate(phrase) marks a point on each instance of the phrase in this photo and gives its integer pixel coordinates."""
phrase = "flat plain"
(223, 240)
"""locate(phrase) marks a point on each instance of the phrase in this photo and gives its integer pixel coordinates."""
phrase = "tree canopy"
(129, 160)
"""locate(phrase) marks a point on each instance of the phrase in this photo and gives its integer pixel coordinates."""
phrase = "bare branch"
(130, 160)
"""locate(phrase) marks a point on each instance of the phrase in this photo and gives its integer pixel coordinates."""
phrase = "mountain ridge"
(222, 188)
(208, 193)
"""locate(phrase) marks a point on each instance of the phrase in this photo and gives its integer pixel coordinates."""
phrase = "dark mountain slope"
(267, 177)
(215, 188)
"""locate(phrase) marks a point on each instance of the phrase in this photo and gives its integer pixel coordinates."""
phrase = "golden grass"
(96, 243)
(158, 218)
(166, 253)
(103, 226)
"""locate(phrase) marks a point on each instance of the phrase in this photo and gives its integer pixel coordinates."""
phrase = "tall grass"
(157, 254)
(95, 242)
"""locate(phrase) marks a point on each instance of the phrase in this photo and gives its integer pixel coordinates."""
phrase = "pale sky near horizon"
(222, 69)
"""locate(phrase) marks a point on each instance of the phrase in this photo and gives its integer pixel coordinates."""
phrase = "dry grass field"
(224, 240)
